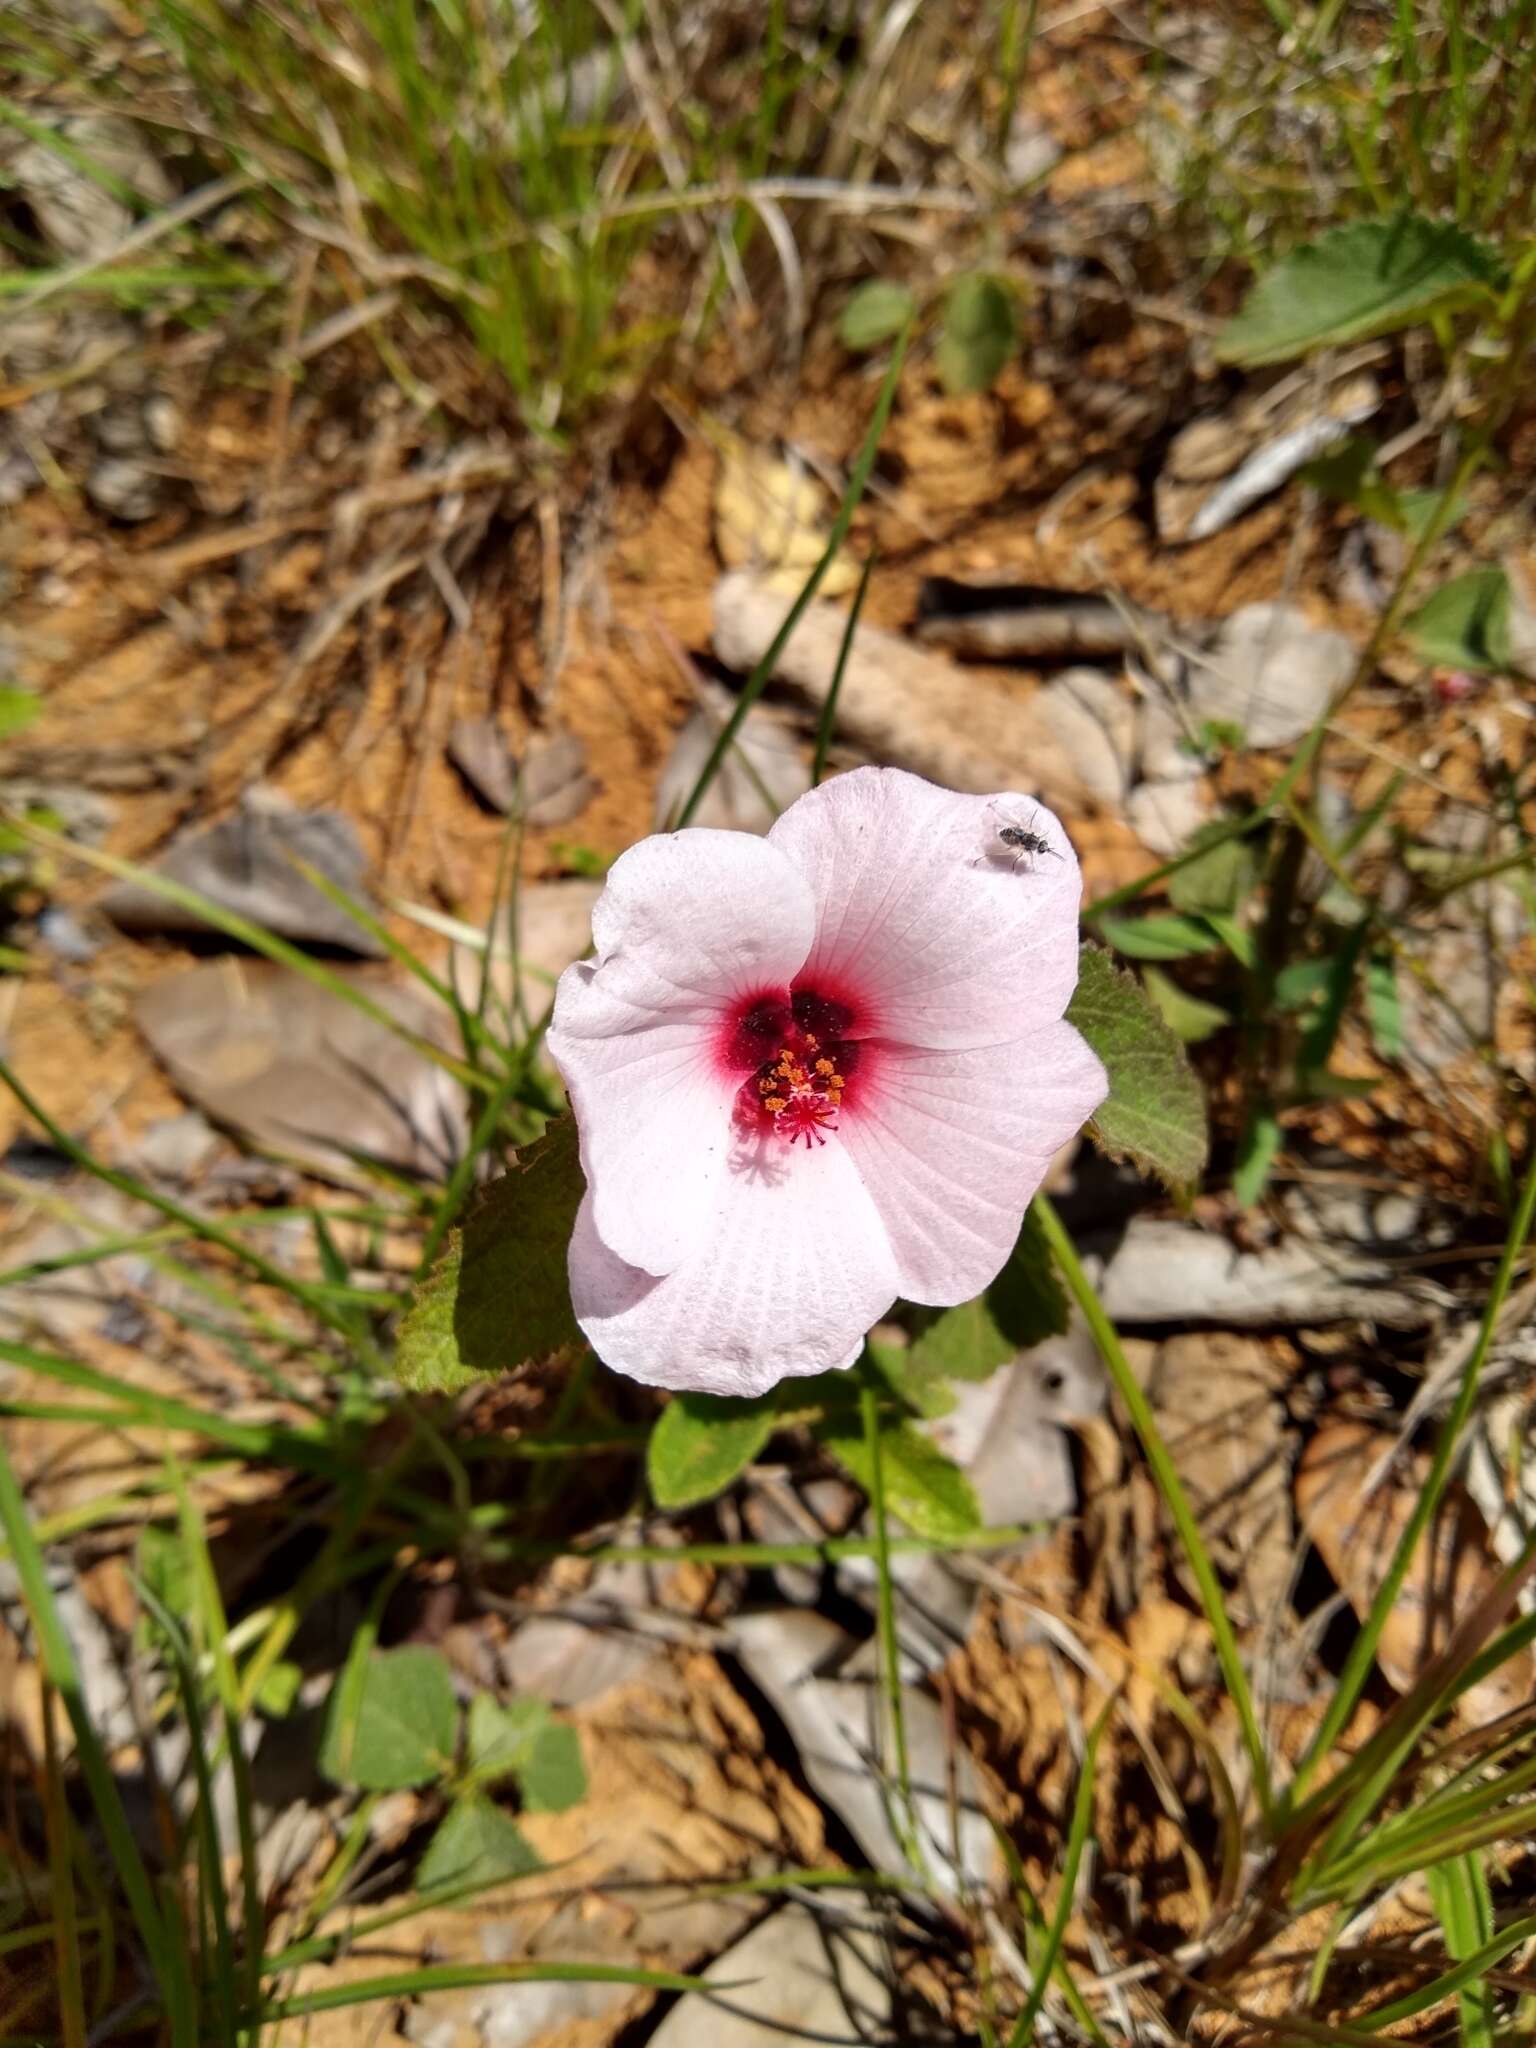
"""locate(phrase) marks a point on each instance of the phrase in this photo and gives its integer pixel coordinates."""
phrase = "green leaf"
(1256, 1155)
(1466, 623)
(1384, 1006)
(399, 1730)
(498, 1295)
(917, 1382)
(1349, 475)
(1158, 938)
(500, 1739)
(701, 1443)
(1371, 278)
(1321, 1034)
(554, 1777)
(163, 1565)
(1458, 1890)
(1189, 1018)
(477, 1843)
(980, 334)
(1220, 879)
(1155, 1111)
(929, 1491)
(278, 1693)
(523, 1740)
(18, 708)
(876, 312)
(1024, 1305)
(1297, 983)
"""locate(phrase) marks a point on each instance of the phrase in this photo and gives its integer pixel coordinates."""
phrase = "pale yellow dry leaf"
(772, 516)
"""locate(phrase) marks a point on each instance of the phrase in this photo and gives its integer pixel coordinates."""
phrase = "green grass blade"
(1077, 1837)
(1362, 1655)
(1172, 1489)
(905, 1817)
(1459, 1893)
(757, 682)
(828, 719)
(1454, 1983)
(260, 941)
(59, 1668)
(400, 1984)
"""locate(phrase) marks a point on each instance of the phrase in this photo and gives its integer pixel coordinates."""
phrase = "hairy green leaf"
(1158, 938)
(498, 1295)
(1190, 1018)
(876, 312)
(1465, 624)
(980, 333)
(1155, 1111)
(929, 1491)
(523, 1740)
(1221, 879)
(476, 1843)
(1025, 1304)
(1374, 277)
(1257, 1151)
(397, 1728)
(701, 1443)
(18, 708)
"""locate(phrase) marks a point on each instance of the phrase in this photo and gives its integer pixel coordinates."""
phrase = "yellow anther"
(775, 1103)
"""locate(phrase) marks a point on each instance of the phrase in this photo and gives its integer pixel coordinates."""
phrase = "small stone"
(1165, 746)
(1271, 673)
(797, 1976)
(1396, 1217)
(177, 1147)
(766, 755)
(555, 784)
(124, 488)
(1032, 151)
(65, 937)
(162, 422)
(1164, 815)
(1095, 725)
(80, 215)
(478, 748)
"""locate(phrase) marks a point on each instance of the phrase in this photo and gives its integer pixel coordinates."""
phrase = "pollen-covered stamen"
(799, 1093)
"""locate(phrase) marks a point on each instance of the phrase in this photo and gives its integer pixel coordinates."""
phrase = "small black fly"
(1021, 843)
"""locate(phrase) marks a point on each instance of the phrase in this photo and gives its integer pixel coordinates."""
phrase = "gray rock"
(1163, 743)
(1270, 672)
(553, 781)
(554, 927)
(125, 488)
(78, 214)
(1032, 151)
(246, 863)
(1164, 815)
(65, 936)
(1095, 724)
(298, 1071)
(835, 1722)
(797, 1975)
(177, 1147)
(766, 769)
(1165, 1272)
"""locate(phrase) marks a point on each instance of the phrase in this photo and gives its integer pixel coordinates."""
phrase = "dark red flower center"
(800, 1064)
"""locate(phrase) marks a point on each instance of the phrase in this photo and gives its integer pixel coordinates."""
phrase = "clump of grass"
(1353, 109)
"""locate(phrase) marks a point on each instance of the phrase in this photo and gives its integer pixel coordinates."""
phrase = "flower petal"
(794, 1270)
(930, 940)
(690, 924)
(952, 1146)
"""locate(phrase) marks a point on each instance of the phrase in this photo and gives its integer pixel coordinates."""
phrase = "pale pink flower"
(815, 1072)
